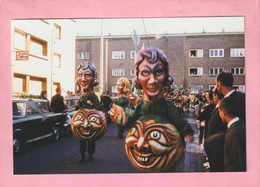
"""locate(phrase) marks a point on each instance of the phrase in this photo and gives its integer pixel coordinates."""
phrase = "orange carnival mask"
(154, 147)
(88, 124)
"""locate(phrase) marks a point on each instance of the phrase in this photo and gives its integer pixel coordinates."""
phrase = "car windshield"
(19, 109)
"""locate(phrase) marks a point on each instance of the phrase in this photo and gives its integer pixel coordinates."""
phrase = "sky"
(92, 27)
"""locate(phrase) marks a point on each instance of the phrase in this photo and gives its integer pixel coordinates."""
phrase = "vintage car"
(33, 120)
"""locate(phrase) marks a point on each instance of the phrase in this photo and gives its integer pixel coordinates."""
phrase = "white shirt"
(232, 121)
(229, 93)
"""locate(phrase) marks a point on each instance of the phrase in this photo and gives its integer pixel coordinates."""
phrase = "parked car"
(33, 120)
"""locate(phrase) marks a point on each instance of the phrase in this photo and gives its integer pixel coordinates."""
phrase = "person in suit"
(224, 83)
(215, 124)
(235, 139)
(214, 143)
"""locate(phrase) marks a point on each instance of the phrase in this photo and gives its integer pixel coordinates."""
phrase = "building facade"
(194, 59)
(42, 56)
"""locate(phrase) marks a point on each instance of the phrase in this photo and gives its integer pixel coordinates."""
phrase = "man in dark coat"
(214, 143)
(57, 102)
(235, 140)
(224, 83)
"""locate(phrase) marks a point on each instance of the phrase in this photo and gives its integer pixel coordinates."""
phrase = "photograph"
(50, 63)
(147, 93)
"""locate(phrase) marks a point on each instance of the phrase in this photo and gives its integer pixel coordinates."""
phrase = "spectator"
(214, 143)
(235, 141)
(43, 107)
(224, 82)
(204, 116)
(57, 102)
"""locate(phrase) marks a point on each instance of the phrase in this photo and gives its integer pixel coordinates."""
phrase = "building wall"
(40, 69)
(176, 49)
(206, 43)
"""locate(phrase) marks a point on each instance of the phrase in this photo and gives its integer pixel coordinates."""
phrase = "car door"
(47, 122)
(34, 124)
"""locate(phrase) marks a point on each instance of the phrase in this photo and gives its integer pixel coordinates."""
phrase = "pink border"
(24, 9)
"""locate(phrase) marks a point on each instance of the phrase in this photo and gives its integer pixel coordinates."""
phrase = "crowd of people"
(220, 112)
(221, 116)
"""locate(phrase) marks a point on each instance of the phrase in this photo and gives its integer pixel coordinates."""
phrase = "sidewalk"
(193, 153)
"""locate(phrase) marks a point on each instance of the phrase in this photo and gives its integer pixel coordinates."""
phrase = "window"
(43, 107)
(81, 55)
(132, 72)
(196, 88)
(118, 54)
(114, 90)
(57, 60)
(237, 52)
(38, 47)
(216, 53)
(35, 87)
(132, 54)
(84, 55)
(195, 53)
(118, 72)
(18, 84)
(19, 109)
(211, 87)
(25, 42)
(20, 41)
(240, 88)
(237, 71)
(57, 31)
(215, 71)
(196, 71)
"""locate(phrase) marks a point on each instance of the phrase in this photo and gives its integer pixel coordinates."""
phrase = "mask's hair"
(126, 84)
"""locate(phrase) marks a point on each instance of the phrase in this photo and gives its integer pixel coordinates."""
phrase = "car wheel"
(56, 134)
(16, 145)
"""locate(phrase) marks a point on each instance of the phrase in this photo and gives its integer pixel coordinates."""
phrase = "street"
(61, 157)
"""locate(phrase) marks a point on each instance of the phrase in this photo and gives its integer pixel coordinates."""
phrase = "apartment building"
(194, 59)
(42, 56)
(207, 55)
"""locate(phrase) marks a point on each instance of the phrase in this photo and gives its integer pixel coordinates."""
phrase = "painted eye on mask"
(88, 75)
(157, 136)
(145, 73)
(78, 118)
(158, 73)
(133, 131)
(94, 119)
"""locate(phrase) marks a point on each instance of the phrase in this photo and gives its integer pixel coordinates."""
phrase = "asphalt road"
(61, 157)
